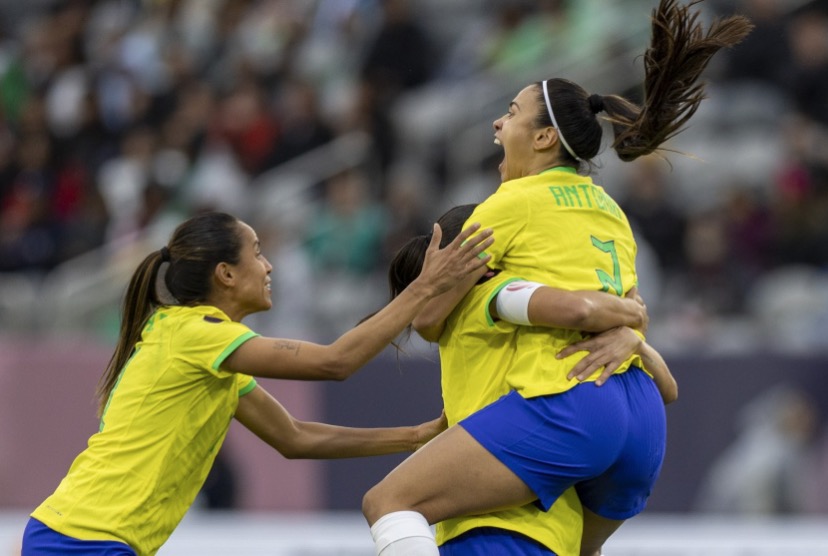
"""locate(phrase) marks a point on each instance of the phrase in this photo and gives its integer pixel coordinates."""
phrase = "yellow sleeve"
(245, 384)
(506, 213)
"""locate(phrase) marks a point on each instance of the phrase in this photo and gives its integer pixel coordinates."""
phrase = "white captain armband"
(513, 302)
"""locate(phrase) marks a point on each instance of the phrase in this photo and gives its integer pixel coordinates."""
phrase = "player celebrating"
(182, 370)
(557, 227)
(476, 350)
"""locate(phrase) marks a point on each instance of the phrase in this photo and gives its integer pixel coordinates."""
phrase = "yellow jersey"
(162, 426)
(560, 229)
(475, 354)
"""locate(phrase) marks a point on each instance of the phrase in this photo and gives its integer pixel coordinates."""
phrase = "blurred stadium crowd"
(118, 118)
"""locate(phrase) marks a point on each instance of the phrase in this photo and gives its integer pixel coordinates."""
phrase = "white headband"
(555, 123)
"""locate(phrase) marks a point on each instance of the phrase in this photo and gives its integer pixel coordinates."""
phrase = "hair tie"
(163, 295)
(596, 103)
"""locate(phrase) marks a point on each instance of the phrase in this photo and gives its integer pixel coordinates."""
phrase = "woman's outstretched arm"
(263, 415)
(293, 359)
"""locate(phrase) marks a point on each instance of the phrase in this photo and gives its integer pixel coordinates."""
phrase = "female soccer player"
(476, 348)
(556, 227)
(182, 370)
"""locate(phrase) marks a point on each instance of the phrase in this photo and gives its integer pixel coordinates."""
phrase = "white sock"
(404, 534)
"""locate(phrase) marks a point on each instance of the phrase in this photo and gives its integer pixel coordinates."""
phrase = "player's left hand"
(607, 350)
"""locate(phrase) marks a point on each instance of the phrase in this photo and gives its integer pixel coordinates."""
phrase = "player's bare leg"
(453, 475)
(597, 530)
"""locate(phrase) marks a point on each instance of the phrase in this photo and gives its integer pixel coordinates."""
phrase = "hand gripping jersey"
(159, 434)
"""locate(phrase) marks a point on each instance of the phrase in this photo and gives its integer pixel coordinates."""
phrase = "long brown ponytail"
(138, 304)
(679, 52)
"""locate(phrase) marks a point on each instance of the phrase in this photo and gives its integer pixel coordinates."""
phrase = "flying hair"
(679, 52)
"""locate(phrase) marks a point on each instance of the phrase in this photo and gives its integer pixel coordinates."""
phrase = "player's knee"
(391, 496)
(372, 505)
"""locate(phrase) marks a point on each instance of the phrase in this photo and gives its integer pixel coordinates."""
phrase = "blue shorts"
(485, 541)
(608, 441)
(40, 540)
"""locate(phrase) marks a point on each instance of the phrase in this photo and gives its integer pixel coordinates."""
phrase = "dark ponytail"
(196, 247)
(679, 52)
(139, 302)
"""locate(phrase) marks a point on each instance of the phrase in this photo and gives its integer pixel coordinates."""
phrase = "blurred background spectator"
(766, 470)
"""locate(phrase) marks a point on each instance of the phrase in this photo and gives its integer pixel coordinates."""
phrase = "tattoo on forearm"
(287, 345)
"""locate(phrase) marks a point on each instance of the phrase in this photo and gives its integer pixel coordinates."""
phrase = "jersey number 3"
(608, 281)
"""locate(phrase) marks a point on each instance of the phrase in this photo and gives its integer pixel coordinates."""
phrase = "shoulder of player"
(196, 317)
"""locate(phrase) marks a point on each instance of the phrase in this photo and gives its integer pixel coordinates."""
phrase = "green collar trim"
(568, 169)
